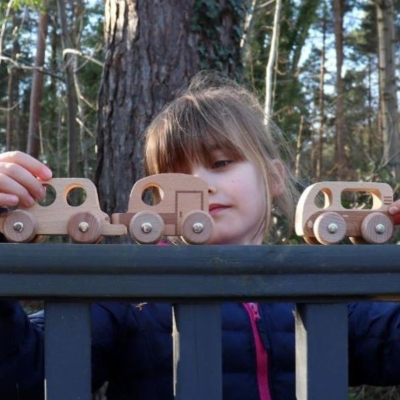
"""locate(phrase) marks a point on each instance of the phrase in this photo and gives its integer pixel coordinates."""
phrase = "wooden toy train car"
(181, 211)
(330, 222)
(84, 223)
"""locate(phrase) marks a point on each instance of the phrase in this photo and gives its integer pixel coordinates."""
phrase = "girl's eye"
(221, 163)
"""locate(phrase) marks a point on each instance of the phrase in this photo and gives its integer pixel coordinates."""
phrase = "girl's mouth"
(216, 208)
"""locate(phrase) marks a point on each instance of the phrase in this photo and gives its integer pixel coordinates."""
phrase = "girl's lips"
(216, 208)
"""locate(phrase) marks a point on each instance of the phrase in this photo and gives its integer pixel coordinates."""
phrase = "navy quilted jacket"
(132, 349)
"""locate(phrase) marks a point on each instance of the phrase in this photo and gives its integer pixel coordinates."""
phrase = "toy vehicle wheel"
(85, 227)
(146, 227)
(311, 240)
(377, 228)
(20, 226)
(197, 227)
(329, 228)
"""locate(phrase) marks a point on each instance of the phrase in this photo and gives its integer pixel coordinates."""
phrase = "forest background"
(81, 80)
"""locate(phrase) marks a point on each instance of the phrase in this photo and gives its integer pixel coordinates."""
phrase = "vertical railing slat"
(321, 352)
(67, 351)
(197, 352)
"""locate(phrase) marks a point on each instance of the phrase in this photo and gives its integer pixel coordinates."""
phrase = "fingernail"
(42, 192)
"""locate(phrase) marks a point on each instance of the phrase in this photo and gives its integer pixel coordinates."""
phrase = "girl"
(215, 130)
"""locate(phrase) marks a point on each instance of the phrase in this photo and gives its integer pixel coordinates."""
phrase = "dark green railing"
(319, 279)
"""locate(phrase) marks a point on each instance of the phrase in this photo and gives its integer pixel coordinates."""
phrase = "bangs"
(189, 139)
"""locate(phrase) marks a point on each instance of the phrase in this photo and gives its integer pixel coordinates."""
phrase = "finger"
(35, 167)
(394, 208)
(11, 188)
(23, 177)
(8, 200)
(394, 211)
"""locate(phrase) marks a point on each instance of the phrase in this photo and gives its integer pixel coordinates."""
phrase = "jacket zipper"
(261, 353)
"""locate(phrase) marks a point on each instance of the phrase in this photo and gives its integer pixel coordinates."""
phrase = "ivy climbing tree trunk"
(152, 48)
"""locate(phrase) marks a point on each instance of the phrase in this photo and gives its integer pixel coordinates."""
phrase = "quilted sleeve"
(374, 343)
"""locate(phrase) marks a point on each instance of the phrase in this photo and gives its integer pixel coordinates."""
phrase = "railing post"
(67, 351)
(321, 352)
(197, 351)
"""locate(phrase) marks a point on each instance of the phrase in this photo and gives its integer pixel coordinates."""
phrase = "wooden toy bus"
(330, 222)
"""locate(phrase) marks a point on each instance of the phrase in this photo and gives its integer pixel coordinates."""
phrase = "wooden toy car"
(182, 210)
(331, 222)
(85, 223)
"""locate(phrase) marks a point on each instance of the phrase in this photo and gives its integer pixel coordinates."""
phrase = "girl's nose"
(211, 189)
(202, 173)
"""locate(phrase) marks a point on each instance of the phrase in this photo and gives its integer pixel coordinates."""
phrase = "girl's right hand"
(19, 179)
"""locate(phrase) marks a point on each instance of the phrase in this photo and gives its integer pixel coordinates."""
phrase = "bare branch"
(80, 54)
(3, 26)
(22, 67)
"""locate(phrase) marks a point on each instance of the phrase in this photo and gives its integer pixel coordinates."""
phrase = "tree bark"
(37, 88)
(152, 48)
(340, 155)
(69, 63)
(388, 87)
(12, 86)
(321, 100)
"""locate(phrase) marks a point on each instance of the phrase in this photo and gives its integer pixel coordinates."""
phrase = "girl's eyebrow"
(214, 147)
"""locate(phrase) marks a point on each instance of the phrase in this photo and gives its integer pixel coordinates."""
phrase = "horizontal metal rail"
(214, 273)
(319, 279)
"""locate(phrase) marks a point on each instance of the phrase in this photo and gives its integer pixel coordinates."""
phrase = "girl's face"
(236, 198)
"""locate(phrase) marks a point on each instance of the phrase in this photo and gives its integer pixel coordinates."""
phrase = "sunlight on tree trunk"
(71, 94)
(273, 55)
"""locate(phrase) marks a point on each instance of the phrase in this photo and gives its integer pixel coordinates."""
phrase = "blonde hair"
(215, 112)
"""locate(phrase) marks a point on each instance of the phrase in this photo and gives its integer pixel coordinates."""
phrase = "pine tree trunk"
(273, 56)
(69, 63)
(12, 87)
(340, 156)
(152, 48)
(388, 86)
(37, 88)
(321, 100)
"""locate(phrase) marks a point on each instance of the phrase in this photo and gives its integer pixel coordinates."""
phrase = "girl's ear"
(279, 176)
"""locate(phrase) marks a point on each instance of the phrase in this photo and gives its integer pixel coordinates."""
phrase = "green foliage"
(18, 4)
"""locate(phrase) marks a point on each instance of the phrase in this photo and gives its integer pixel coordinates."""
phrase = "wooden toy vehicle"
(85, 223)
(182, 210)
(331, 222)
